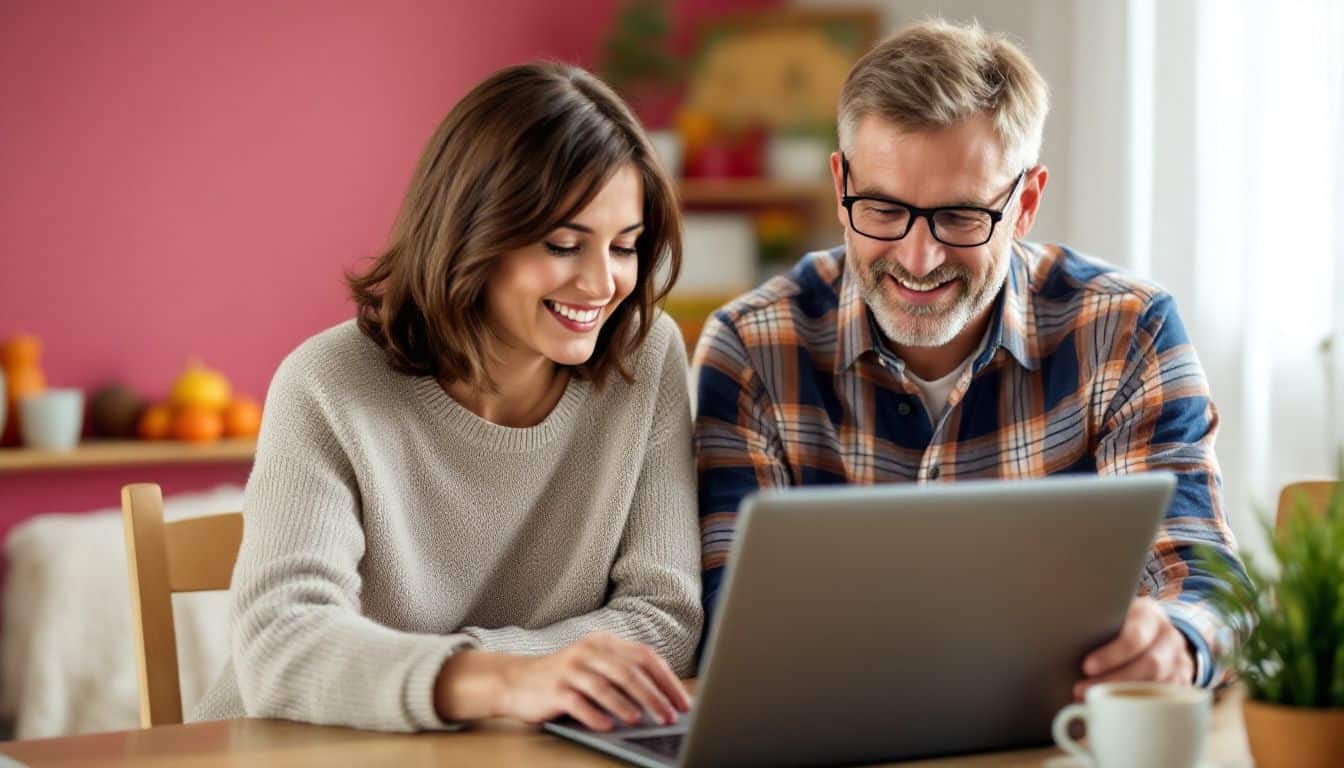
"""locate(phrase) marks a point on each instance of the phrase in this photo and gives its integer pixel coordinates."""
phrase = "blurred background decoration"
(779, 71)
(752, 126)
(638, 61)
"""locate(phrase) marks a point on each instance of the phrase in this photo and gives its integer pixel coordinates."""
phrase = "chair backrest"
(1316, 494)
(191, 555)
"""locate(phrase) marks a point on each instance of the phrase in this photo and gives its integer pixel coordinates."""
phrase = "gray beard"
(917, 326)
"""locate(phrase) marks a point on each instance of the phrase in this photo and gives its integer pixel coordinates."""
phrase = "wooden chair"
(191, 555)
(1316, 493)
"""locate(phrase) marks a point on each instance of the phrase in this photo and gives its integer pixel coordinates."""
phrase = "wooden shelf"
(753, 192)
(120, 453)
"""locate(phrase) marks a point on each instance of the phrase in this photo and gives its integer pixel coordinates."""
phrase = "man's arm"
(737, 446)
(1163, 418)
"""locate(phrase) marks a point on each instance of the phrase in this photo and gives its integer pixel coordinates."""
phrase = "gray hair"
(935, 74)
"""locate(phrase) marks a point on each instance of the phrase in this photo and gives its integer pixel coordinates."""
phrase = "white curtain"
(1257, 150)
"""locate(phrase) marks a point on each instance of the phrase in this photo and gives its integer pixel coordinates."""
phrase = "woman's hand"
(591, 680)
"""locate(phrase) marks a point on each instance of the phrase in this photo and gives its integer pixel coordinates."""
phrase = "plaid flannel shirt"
(1085, 370)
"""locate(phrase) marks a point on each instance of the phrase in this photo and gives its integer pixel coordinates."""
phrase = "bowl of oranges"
(201, 408)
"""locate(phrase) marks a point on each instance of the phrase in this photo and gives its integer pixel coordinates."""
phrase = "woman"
(478, 499)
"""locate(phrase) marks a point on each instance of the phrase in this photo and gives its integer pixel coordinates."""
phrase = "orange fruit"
(22, 350)
(197, 424)
(242, 418)
(156, 422)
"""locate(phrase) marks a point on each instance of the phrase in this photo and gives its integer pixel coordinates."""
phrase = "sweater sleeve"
(301, 647)
(655, 579)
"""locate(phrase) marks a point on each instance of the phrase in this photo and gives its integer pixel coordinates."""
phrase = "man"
(936, 345)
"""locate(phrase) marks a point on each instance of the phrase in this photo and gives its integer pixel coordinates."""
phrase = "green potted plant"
(638, 62)
(1289, 623)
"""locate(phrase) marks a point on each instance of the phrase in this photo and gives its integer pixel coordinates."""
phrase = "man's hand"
(1148, 648)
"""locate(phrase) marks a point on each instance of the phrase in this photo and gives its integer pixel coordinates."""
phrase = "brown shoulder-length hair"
(525, 150)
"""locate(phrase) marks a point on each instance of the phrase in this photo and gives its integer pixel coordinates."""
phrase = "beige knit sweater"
(386, 527)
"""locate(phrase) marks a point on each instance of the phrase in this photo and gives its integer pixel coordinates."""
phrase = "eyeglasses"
(960, 226)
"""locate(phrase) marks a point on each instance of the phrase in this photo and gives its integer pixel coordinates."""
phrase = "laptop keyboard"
(667, 746)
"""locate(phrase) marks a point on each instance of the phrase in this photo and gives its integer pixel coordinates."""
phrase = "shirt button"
(934, 472)
(903, 409)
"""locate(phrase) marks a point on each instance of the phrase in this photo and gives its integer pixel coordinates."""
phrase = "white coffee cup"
(51, 420)
(1155, 725)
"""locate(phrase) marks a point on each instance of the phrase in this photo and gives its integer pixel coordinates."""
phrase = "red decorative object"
(739, 155)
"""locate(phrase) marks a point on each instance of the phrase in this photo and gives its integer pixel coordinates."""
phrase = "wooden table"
(494, 743)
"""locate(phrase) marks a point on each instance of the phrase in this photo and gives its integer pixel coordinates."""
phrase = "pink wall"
(182, 179)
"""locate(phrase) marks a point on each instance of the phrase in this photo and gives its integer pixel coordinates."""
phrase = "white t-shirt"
(935, 394)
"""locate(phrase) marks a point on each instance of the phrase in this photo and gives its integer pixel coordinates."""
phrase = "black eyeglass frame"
(916, 213)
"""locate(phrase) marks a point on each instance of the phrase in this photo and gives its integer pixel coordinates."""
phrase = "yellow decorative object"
(779, 68)
(202, 386)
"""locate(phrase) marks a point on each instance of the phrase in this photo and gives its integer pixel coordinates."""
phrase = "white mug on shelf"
(51, 420)
(802, 159)
(720, 253)
(1155, 725)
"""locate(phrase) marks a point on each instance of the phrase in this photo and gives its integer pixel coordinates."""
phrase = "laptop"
(897, 622)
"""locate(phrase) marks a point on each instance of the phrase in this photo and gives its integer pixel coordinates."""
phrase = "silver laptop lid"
(860, 624)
